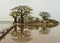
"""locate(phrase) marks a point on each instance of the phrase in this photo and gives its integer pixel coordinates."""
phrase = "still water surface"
(36, 37)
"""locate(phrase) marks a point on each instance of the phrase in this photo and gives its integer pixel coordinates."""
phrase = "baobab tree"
(23, 12)
(44, 15)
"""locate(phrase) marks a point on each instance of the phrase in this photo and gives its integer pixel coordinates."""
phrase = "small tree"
(44, 15)
(29, 18)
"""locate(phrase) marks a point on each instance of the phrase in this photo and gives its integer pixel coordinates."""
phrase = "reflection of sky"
(51, 6)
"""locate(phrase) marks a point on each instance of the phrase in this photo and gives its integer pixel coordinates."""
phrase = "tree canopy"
(20, 12)
(23, 10)
(44, 15)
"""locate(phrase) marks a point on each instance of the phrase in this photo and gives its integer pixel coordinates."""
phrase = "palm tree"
(44, 15)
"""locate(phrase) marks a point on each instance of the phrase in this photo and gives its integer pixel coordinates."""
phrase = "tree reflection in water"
(44, 31)
(21, 34)
(24, 31)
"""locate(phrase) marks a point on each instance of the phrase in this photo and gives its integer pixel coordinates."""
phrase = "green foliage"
(44, 15)
(20, 12)
(14, 14)
(23, 10)
(55, 23)
(29, 17)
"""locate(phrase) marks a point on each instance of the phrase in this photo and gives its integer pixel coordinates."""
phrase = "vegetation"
(23, 11)
(44, 15)
(29, 18)
(15, 15)
(23, 19)
(37, 19)
(21, 14)
(55, 23)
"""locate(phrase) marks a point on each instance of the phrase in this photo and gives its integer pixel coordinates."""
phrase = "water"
(5, 24)
(36, 37)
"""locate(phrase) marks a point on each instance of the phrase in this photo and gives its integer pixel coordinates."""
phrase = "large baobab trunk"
(15, 21)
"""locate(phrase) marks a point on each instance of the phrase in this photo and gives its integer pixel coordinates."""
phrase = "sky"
(50, 6)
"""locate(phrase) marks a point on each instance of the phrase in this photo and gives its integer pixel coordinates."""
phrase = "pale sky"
(51, 6)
